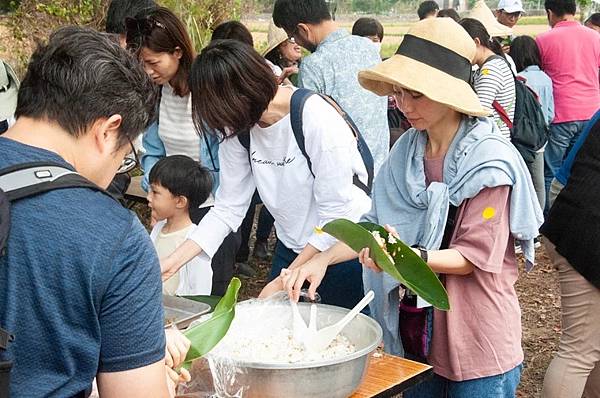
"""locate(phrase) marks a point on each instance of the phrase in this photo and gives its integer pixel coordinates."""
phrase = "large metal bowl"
(337, 378)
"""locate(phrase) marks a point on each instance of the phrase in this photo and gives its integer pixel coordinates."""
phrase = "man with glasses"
(80, 284)
(333, 67)
(509, 12)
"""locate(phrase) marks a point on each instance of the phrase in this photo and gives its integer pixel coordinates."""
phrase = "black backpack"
(296, 109)
(19, 182)
(528, 130)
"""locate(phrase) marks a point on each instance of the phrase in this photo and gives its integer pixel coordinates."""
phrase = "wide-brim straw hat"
(9, 90)
(483, 14)
(275, 37)
(433, 59)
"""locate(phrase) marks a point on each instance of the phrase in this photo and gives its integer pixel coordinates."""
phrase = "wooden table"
(389, 375)
(135, 193)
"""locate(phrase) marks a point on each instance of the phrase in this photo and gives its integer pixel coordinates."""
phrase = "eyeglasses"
(130, 161)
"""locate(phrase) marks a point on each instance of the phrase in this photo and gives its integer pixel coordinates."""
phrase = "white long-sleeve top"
(277, 168)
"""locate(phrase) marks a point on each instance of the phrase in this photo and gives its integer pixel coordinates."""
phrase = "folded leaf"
(404, 265)
(206, 335)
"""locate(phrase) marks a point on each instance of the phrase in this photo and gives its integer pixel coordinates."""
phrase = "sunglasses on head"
(138, 28)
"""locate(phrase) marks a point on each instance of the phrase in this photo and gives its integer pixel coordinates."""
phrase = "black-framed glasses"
(130, 161)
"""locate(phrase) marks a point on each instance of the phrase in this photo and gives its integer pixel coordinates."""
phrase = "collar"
(532, 68)
(565, 24)
(334, 36)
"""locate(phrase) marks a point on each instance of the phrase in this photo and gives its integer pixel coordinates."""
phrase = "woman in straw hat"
(283, 52)
(453, 157)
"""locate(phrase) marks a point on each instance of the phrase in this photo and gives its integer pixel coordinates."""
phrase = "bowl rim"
(317, 364)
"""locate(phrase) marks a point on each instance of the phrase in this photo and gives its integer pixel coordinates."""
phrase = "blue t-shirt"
(80, 287)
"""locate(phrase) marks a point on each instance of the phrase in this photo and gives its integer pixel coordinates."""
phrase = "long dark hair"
(231, 87)
(161, 31)
(525, 52)
(476, 30)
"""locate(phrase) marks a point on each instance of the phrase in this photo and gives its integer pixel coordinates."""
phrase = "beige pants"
(575, 369)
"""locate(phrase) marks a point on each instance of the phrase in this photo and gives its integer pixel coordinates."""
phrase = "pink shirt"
(481, 335)
(571, 57)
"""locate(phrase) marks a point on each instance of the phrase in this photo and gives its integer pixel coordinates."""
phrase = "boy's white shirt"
(195, 277)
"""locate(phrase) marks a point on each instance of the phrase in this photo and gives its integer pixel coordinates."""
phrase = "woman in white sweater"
(235, 92)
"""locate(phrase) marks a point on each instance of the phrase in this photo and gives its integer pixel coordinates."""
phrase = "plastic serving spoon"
(299, 328)
(321, 340)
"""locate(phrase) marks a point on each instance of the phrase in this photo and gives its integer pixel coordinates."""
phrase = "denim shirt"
(541, 84)
(154, 150)
(333, 70)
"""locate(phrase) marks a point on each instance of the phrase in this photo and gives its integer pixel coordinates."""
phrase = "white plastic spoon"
(299, 329)
(321, 340)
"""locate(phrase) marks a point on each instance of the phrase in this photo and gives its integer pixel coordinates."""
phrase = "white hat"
(510, 6)
(9, 88)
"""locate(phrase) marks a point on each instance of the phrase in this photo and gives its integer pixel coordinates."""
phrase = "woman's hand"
(312, 271)
(364, 255)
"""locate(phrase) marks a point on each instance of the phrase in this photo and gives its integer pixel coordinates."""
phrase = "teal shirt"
(333, 70)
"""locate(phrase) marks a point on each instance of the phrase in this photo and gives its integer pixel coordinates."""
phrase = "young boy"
(178, 184)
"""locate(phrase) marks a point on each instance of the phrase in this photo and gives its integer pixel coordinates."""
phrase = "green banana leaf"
(206, 335)
(406, 267)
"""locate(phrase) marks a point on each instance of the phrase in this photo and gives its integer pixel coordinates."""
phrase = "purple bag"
(416, 328)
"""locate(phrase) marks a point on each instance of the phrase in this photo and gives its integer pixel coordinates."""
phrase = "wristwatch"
(423, 254)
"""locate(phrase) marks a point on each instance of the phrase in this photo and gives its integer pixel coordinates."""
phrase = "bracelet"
(424, 254)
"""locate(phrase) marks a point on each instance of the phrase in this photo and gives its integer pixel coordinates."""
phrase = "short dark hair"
(594, 19)
(232, 86)
(287, 14)
(476, 30)
(525, 52)
(81, 76)
(427, 7)
(233, 30)
(118, 10)
(368, 27)
(183, 176)
(449, 13)
(160, 30)
(561, 7)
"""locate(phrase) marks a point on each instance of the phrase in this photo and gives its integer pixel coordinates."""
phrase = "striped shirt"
(494, 81)
(175, 128)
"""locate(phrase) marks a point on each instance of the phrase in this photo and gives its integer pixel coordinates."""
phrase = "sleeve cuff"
(209, 234)
(321, 241)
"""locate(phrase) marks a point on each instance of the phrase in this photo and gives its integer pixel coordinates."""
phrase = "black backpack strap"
(296, 109)
(30, 179)
(450, 226)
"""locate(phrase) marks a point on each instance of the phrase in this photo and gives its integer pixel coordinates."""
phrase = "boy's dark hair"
(81, 76)
(368, 27)
(561, 7)
(183, 176)
(449, 13)
(287, 14)
(476, 30)
(161, 31)
(525, 52)
(594, 19)
(426, 8)
(233, 30)
(232, 86)
(118, 10)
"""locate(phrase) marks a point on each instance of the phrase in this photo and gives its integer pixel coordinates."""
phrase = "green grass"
(387, 50)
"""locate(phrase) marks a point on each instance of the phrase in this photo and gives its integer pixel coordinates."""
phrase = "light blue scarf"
(478, 157)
